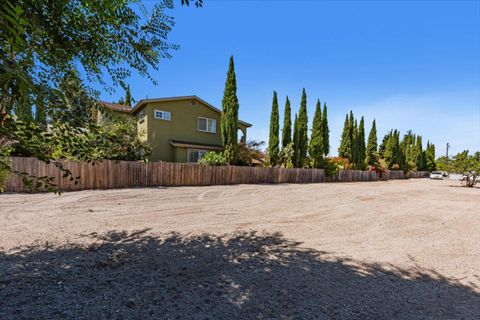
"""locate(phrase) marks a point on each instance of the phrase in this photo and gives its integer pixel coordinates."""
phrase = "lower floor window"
(193, 155)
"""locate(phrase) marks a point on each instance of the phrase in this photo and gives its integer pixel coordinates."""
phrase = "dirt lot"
(380, 250)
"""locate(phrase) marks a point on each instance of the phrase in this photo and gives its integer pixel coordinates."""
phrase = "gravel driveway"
(381, 250)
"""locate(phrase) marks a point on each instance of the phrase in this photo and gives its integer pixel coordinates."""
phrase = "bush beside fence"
(110, 174)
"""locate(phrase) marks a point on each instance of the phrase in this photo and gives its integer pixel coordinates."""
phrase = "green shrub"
(3, 177)
(213, 159)
(332, 167)
(287, 155)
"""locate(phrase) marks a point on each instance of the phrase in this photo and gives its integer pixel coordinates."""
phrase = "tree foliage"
(287, 125)
(383, 145)
(316, 147)
(287, 156)
(128, 100)
(325, 131)
(301, 145)
(360, 145)
(229, 119)
(467, 165)
(273, 141)
(295, 142)
(344, 148)
(443, 164)
(372, 154)
(250, 153)
(43, 42)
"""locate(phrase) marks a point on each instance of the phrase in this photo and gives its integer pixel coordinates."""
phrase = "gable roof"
(116, 106)
(143, 102)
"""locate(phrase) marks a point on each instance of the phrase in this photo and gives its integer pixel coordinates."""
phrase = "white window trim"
(198, 124)
(163, 112)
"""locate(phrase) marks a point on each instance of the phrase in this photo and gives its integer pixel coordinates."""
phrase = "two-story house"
(180, 129)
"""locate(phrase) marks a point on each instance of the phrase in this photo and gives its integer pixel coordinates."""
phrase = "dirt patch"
(383, 250)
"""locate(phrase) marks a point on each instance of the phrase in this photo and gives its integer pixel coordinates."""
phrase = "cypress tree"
(354, 153)
(302, 130)
(351, 155)
(383, 145)
(420, 155)
(361, 150)
(229, 119)
(429, 157)
(431, 148)
(274, 129)
(325, 131)
(389, 149)
(296, 152)
(287, 125)
(393, 152)
(128, 96)
(316, 146)
(343, 148)
(372, 158)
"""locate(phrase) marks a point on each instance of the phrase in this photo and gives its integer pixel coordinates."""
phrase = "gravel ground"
(381, 250)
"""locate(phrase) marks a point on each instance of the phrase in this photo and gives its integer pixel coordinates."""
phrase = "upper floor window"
(207, 125)
(163, 115)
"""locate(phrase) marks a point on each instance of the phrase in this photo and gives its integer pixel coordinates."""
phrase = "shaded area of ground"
(140, 275)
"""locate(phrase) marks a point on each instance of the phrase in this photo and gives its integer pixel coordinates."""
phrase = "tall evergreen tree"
(79, 103)
(388, 153)
(316, 145)
(229, 119)
(431, 148)
(302, 130)
(287, 125)
(274, 130)
(344, 143)
(128, 96)
(361, 149)
(383, 146)
(351, 138)
(420, 155)
(354, 146)
(372, 157)
(409, 150)
(325, 131)
(296, 151)
(393, 152)
(429, 156)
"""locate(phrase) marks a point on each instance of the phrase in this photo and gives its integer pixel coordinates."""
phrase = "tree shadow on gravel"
(243, 276)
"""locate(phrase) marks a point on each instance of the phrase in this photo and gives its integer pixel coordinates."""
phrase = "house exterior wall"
(180, 154)
(182, 126)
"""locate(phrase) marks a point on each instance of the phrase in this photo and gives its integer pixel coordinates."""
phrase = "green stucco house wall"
(180, 129)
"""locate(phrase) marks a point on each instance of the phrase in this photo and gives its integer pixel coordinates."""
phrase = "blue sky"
(411, 65)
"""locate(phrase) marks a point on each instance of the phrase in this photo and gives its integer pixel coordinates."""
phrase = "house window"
(162, 115)
(207, 125)
(193, 155)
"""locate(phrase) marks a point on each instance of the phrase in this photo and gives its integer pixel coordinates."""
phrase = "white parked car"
(436, 175)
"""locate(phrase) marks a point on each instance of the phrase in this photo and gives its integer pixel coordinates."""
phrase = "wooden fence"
(110, 174)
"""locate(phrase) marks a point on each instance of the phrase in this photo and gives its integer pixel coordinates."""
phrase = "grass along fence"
(110, 174)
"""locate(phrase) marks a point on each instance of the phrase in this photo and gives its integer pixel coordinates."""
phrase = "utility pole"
(448, 147)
